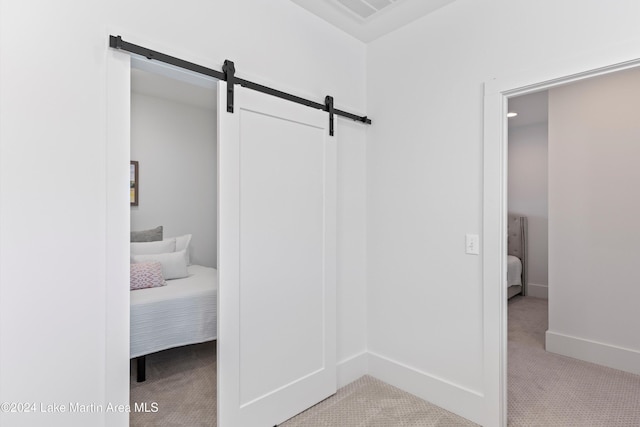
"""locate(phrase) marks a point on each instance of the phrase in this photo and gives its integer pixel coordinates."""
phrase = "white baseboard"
(352, 368)
(612, 356)
(454, 398)
(538, 291)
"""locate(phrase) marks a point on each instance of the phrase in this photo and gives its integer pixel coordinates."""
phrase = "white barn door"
(276, 259)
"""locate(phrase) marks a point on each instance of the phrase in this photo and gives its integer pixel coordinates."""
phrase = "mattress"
(181, 313)
(514, 271)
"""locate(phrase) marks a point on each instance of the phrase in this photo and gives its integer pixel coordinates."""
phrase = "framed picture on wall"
(133, 180)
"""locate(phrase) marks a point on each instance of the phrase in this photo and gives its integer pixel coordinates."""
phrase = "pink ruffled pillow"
(146, 275)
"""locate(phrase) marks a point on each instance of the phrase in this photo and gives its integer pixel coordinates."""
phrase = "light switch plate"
(472, 244)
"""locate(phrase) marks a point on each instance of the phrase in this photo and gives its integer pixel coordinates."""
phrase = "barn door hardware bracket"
(229, 70)
(115, 42)
(228, 74)
(328, 102)
(118, 43)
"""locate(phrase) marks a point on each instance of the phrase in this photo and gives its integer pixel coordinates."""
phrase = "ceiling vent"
(365, 9)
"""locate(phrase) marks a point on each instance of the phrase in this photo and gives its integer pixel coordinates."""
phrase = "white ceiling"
(532, 109)
(369, 19)
(173, 84)
(363, 19)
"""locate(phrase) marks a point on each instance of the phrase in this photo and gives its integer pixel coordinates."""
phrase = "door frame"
(117, 224)
(497, 92)
(118, 111)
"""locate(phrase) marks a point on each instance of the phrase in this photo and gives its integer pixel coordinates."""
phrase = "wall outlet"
(473, 244)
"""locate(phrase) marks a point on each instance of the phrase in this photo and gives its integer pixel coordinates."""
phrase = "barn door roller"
(229, 70)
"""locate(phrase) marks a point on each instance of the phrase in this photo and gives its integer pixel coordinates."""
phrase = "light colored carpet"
(369, 402)
(182, 382)
(546, 389)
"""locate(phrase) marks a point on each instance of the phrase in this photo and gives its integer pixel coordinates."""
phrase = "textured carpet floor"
(182, 382)
(369, 402)
(546, 389)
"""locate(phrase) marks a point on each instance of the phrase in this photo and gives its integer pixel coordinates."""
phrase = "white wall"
(423, 175)
(527, 195)
(594, 147)
(54, 209)
(175, 145)
(424, 178)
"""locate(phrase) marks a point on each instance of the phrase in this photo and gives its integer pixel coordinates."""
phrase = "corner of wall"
(452, 397)
(352, 368)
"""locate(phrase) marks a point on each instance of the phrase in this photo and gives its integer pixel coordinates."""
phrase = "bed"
(516, 255)
(182, 312)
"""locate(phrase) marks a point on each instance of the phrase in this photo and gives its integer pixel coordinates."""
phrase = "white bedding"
(514, 271)
(181, 313)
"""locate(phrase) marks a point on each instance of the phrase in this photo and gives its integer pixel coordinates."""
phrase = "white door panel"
(277, 191)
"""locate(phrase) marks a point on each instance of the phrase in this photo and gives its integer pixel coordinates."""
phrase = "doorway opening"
(173, 222)
(278, 160)
(527, 182)
(498, 94)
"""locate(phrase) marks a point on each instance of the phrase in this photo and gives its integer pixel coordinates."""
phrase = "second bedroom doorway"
(173, 220)
(258, 212)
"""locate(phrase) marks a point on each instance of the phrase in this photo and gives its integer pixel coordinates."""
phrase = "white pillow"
(159, 247)
(174, 264)
(183, 242)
